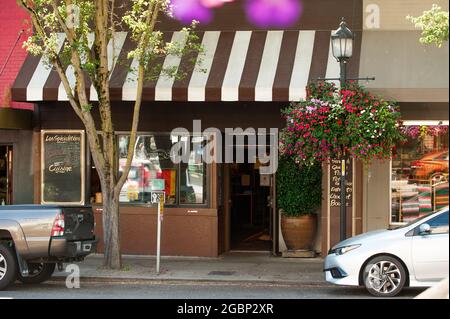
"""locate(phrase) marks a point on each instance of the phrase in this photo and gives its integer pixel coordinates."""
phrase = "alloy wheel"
(3, 266)
(384, 277)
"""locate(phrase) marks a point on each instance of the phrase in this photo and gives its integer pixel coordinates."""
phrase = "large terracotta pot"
(299, 232)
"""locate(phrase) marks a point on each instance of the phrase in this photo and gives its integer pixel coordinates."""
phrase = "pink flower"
(273, 13)
(188, 10)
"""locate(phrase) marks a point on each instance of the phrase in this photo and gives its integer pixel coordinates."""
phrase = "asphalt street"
(187, 290)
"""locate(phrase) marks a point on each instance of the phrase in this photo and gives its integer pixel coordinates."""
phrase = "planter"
(299, 232)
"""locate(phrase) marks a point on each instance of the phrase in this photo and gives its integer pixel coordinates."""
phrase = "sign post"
(158, 198)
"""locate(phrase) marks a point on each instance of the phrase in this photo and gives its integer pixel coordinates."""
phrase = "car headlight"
(345, 249)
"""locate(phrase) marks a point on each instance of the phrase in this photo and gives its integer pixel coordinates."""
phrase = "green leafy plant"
(299, 188)
(434, 26)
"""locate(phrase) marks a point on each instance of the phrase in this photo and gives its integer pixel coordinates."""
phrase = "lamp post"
(342, 46)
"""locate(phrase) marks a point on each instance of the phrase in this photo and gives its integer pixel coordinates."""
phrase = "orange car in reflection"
(429, 165)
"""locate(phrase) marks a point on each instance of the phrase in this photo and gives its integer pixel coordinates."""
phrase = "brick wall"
(11, 23)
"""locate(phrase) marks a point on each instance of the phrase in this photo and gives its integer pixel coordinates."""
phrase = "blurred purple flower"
(213, 3)
(273, 13)
(188, 10)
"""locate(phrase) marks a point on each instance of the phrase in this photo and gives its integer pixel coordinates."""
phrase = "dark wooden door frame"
(9, 172)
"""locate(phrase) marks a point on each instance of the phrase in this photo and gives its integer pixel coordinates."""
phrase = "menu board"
(335, 180)
(62, 167)
(335, 199)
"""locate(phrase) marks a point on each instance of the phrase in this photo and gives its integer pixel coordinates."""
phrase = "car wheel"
(37, 273)
(384, 276)
(8, 266)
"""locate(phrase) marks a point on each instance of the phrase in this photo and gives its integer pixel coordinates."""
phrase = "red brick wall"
(11, 23)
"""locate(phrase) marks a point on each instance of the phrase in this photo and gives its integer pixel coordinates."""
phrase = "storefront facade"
(250, 76)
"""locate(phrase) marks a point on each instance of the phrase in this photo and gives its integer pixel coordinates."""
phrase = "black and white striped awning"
(239, 65)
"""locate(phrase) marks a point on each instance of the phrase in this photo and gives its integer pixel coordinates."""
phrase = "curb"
(182, 281)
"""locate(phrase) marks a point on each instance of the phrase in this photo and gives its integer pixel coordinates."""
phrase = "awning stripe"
(35, 87)
(236, 63)
(280, 88)
(51, 86)
(320, 55)
(252, 66)
(185, 72)
(268, 67)
(163, 89)
(148, 93)
(129, 88)
(70, 74)
(333, 67)
(236, 66)
(302, 65)
(213, 90)
(121, 70)
(197, 84)
(114, 48)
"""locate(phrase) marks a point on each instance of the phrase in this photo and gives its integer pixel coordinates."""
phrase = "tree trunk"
(111, 227)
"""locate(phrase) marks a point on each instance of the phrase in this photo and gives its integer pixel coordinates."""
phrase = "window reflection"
(153, 170)
(420, 173)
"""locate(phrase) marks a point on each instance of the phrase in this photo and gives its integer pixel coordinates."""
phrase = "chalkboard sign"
(335, 183)
(62, 167)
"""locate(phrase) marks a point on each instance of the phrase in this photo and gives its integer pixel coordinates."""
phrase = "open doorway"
(250, 208)
(6, 159)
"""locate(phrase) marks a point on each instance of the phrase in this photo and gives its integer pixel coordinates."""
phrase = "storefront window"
(193, 179)
(153, 170)
(419, 182)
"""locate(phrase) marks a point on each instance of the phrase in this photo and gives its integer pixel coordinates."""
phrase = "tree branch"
(151, 20)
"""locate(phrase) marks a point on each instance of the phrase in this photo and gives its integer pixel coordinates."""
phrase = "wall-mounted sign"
(62, 167)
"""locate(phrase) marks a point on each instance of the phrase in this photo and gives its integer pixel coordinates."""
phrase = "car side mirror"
(424, 229)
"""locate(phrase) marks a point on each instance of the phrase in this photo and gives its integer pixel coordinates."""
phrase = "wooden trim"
(227, 206)
(16, 119)
(151, 210)
(37, 166)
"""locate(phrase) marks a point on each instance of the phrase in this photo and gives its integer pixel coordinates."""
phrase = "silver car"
(385, 261)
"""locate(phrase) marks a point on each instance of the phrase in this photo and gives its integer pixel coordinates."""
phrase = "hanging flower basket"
(338, 123)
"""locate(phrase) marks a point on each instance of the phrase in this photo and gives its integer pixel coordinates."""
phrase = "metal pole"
(343, 201)
(158, 242)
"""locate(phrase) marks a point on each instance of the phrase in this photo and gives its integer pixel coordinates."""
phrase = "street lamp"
(342, 46)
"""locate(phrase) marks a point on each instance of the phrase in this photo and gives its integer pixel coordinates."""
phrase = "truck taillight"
(58, 226)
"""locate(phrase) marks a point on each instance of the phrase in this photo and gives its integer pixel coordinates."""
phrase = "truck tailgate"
(79, 223)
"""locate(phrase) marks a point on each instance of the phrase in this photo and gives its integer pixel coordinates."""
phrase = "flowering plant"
(416, 131)
(337, 123)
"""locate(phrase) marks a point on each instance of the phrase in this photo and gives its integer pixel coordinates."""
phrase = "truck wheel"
(8, 266)
(37, 273)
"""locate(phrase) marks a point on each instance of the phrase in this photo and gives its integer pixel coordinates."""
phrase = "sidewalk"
(231, 267)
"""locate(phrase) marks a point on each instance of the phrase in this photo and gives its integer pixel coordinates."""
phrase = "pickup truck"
(36, 238)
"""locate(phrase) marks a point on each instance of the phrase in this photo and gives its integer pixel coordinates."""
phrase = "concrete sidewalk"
(231, 267)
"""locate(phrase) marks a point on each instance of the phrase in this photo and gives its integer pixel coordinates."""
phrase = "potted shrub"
(299, 195)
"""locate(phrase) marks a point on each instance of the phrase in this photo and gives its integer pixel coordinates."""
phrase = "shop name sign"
(62, 167)
(63, 138)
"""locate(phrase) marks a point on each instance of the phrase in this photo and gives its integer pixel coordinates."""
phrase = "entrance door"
(251, 227)
(6, 159)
